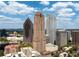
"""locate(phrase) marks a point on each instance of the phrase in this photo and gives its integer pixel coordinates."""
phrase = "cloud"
(76, 5)
(17, 8)
(66, 12)
(9, 19)
(61, 9)
(2, 4)
(8, 22)
(48, 9)
(60, 5)
(66, 23)
(14, 8)
(46, 3)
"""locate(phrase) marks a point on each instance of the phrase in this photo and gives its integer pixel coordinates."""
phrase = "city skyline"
(13, 14)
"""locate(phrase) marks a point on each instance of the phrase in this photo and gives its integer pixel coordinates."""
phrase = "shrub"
(1, 53)
(3, 40)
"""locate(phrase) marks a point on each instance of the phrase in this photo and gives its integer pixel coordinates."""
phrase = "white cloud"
(17, 8)
(44, 3)
(48, 9)
(14, 8)
(66, 23)
(5, 19)
(66, 12)
(2, 4)
(8, 22)
(76, 5)
(59, 5)
(62, 9)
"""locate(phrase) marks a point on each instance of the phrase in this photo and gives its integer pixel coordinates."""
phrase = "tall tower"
(28, 31)
(39, 33)
(51, 28)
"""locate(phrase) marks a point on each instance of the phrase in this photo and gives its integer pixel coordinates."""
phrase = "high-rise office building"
(51, 28)
(39, 33)
(75, 38)
(28, 31)
(61, 39)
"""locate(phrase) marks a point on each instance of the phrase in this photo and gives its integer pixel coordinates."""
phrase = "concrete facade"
(39, 33)
(51, 28)
(61, 38)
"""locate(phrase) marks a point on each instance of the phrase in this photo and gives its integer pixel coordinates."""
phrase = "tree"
(3, 33)
(23, 44)
(3, 40)
(1, 53)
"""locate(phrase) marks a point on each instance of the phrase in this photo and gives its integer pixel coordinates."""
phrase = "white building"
(51, 28)
(13, 39)
(25, 52)
(29, 52)
(51, 47)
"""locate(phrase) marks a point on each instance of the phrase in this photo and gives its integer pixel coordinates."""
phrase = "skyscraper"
(39, 33)
(28, 31)
(61, 39)
(51, 28)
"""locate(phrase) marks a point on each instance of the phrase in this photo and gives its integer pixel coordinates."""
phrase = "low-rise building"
(12, 48)
(15, 39)
(51, 47)
(29, 52)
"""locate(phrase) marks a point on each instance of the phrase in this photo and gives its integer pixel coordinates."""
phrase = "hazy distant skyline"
(13, 14)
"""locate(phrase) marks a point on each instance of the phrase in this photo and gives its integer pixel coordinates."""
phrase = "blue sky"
(14, 13)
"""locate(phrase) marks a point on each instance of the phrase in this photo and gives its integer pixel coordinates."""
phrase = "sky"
(14, 13)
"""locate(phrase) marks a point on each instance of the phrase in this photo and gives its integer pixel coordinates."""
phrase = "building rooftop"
(50, 47)
(31, 52)
(61, 30)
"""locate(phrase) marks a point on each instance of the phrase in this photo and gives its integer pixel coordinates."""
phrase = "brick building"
(12, 48)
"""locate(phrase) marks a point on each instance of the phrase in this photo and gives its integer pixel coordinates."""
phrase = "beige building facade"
(39, 33)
